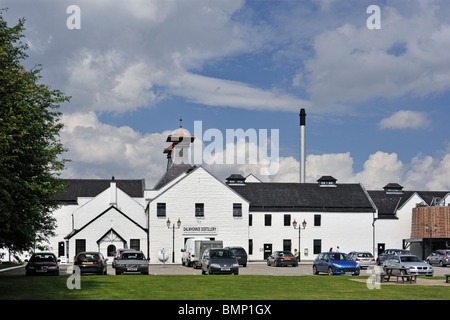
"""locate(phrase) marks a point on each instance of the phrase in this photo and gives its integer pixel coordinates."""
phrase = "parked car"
(412, 265)
(282, 258)
(194, 249)
(132, 261)
(389, 253)
(42, 263)
(218, 261)
(335, 263)
(241, 255)
(91, 262)
(440, 257)
(364, 258)
(117, 256)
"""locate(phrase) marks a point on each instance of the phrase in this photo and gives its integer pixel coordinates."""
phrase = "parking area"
(253, 268)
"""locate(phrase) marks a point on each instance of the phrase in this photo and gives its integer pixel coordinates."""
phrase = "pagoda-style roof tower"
(180, 143)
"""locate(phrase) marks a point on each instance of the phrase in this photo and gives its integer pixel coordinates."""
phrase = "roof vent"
(393, 188)
(235, 180)
(327, 181)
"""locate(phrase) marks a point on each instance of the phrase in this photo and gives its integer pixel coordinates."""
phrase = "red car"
(42, 263)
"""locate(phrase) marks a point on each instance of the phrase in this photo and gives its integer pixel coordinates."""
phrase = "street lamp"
(294, 224)
(173, 236)
(431, 229)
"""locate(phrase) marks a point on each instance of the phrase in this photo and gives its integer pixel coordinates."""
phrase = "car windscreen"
(43, 258)
(340, 257)
(410, 259)
(222, 254)
(89, 257)
(132, 256)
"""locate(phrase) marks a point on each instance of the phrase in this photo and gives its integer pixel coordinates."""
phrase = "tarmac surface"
(252, 268)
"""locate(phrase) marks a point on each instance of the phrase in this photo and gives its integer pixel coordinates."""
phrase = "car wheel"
(441, 264)
(315, 271)
(330, 271)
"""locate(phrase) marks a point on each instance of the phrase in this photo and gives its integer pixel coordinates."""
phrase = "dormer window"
(393, 188)
(327, 181)
(235, 180)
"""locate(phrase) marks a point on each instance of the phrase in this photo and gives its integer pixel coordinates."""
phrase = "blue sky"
(377, 101)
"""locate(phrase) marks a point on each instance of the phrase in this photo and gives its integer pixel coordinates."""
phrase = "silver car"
(409, 264)
(363, 258)
(440, 257)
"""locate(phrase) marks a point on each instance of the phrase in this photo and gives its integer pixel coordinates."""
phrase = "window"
(250, 220)
(287, 220)
(161, 210)
(287, 245)
(199, 210)
(237, 209)
(250, 246)
(80, 245)
(135, 244)
(317, 246)
(267, 220)
(317, 220)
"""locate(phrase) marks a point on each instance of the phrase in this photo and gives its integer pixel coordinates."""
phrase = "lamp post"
(294, 224)
(173, 236)
(431, 229)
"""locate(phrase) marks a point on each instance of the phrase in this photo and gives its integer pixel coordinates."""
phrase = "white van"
(189, 257)
(194, 248)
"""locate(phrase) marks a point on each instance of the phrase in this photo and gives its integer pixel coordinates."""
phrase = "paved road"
(253, 268)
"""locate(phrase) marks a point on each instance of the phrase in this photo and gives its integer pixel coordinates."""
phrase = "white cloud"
(225, 93)
(98, 150)
(405, 119)
(407, 56)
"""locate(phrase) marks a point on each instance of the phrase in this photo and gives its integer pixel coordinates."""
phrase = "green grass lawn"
(180, 287)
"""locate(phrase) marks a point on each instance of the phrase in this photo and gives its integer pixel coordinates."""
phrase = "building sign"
(199, 230)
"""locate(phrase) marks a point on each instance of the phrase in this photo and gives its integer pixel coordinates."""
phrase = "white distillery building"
(188, 201)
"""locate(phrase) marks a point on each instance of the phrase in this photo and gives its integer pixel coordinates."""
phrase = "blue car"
(335, 263)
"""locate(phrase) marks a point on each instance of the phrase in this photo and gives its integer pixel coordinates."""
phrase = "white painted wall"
(197, 187)
(350, 231)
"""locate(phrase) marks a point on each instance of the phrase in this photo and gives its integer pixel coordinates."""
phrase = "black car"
(91, 262)
(219, 261)
(42, 263)
(241, 255)
(282, 258)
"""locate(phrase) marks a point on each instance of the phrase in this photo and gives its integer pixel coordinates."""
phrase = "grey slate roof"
(387, 204)
(174, 171)
(93, 187)
(305, 197)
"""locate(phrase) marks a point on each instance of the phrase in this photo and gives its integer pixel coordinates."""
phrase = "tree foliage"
(30, 150)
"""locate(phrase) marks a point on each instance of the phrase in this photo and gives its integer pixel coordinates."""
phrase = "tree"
(30, 150)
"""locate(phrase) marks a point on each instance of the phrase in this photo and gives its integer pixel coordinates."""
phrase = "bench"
(409, 278)
(446, 278)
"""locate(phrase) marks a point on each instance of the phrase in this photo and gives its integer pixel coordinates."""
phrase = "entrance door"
(381, 248)
(267, 250)
(111, 250)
